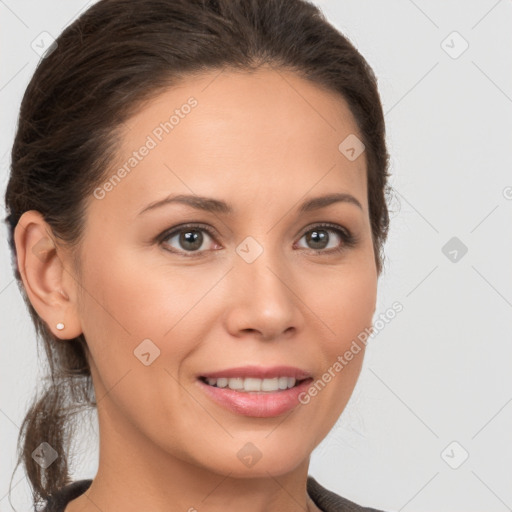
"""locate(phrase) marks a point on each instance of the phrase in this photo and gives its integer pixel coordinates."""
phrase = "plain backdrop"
(429, 424)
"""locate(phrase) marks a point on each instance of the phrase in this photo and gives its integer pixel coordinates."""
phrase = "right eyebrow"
(207, 204)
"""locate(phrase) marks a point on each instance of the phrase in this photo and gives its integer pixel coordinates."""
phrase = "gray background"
(439, 372)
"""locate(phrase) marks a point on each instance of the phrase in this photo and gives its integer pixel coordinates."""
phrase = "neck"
(135, 474)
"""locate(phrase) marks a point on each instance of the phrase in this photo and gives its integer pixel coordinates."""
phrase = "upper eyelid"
(212, 232)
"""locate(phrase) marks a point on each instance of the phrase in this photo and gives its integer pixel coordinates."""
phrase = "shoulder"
(57, 501)
(329, 501)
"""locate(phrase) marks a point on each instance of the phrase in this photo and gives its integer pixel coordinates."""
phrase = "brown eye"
(187, 239)
(320, 237)
(191, 240)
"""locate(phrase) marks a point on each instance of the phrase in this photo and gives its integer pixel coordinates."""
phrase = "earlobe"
(43, 269)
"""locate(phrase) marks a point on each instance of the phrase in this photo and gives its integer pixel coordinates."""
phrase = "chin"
(257, 459)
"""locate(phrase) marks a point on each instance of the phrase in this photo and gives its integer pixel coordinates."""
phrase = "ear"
(47, 274)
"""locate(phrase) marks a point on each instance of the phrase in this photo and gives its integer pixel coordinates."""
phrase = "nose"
(262, 298)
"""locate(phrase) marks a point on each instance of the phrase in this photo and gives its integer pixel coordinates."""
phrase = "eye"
(320, 241)
(189, 238)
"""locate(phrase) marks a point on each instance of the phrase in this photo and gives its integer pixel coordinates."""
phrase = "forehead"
(231, 133)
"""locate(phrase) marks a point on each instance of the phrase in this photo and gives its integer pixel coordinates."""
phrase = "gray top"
(324, 499)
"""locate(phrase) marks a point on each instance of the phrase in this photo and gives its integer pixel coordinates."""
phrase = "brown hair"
(116, 55)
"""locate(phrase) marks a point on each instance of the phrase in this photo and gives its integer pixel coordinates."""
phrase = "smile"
(248, 401)
(251, 384)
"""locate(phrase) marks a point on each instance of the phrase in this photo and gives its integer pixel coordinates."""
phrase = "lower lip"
(259, 404)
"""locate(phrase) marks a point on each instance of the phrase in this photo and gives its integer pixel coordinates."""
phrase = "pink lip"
(259, 372)
(257, 404)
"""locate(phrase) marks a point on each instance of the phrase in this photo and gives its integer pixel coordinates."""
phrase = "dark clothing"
(325, 500)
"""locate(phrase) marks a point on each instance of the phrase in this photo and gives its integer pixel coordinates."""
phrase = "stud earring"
(60, 326)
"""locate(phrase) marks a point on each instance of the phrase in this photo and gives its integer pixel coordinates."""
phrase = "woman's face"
(251, 280)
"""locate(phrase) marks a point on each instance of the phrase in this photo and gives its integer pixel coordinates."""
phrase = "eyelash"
(349, 240)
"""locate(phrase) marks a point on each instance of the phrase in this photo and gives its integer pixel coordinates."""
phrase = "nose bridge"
(258, 263)
(264, 300)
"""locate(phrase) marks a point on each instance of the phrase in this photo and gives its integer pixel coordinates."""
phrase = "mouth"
(256, 379)
(254, 384)
(257, 392)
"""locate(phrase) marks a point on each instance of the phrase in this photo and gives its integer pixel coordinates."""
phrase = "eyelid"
(326, 225)
(182, 227)
(348, 238)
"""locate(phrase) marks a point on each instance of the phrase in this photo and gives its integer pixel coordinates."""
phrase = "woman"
(197, 210)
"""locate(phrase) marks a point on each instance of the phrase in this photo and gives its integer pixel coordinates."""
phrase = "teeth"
(270, 384)
(236, 383)
(222, 383)
(253, 384)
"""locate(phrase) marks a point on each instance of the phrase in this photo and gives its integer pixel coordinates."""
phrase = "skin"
(263, 143)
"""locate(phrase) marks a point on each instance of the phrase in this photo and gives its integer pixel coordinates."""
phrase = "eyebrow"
(210, 204)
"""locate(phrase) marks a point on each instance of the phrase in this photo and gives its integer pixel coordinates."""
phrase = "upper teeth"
(253, 384)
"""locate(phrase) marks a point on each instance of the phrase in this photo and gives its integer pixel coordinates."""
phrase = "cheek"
(132, 302)
(129, 307)
(345, 304)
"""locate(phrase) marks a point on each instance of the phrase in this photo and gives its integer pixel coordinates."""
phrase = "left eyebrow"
(210, 204)
(321, 202)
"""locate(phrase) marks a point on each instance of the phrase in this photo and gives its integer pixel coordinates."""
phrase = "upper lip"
(259, 372)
